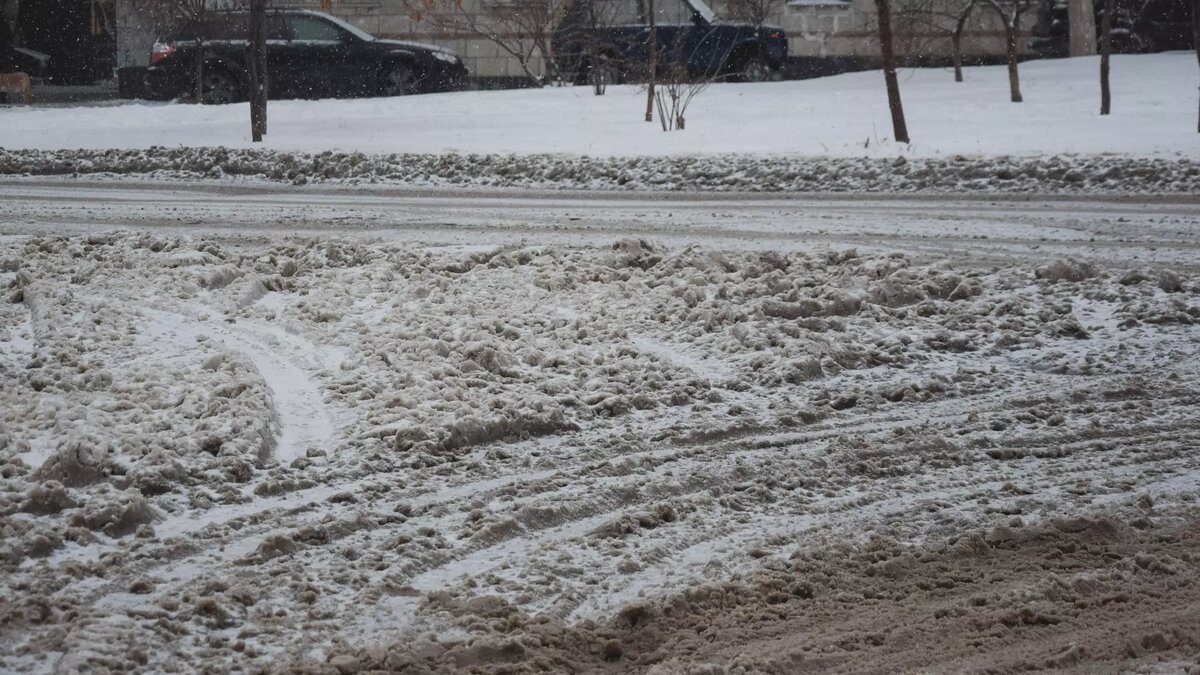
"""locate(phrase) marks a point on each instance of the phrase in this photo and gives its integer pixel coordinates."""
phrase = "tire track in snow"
(303, 419)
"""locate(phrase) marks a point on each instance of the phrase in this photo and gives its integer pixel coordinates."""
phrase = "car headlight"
(446, 56)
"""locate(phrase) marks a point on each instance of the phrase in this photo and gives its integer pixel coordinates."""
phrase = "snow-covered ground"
(228, 449)
(249, 426)
(1154, 114)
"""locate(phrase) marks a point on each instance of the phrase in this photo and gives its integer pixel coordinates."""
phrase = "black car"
(309, 55)
(604, 33)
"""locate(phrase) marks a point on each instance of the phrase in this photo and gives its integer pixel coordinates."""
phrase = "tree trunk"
(549, 63)
(899, 128)
(956, 39)
(1014, 79)
(199, 70)
(956, 42)
(257, 48)
(1081, 27)
(1105, 52)
(652, 67)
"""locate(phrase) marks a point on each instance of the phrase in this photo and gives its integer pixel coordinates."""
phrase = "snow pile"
(250, 451)
(736, 173)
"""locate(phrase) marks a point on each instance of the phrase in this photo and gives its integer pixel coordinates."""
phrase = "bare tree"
(944, 19)
(523, 29)
(673, 94)
(756, 12)
(1010, 13)
(677, 85)
(1105, 54)
(883, 11)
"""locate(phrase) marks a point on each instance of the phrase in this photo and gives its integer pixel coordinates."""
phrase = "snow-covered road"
(974, 229)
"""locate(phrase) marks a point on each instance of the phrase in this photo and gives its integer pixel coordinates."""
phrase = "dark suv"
(309, 55)
(613, 34)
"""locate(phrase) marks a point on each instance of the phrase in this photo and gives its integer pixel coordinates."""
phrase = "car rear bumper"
(162, 84)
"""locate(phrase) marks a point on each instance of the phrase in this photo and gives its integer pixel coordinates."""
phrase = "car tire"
(398, 81)
(754, 69)
(220, 87)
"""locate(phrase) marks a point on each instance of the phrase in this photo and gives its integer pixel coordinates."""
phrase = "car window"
(226, 27)
(311, 28)
(185, 32)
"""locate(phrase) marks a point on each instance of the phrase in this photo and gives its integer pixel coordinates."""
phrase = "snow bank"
(1057, 174)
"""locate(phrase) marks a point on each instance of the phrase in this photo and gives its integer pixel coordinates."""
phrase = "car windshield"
(358, 32)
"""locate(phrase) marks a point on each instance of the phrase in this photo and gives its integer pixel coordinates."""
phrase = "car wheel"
(399, 81)
(754, 69)
(219, 88)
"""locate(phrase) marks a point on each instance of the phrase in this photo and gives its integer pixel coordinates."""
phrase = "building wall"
(836, 28)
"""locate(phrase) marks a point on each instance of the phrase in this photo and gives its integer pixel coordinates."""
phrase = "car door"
(320, 53)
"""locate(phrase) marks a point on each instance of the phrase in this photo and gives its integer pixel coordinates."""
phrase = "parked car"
(614, 34)
(309, 55)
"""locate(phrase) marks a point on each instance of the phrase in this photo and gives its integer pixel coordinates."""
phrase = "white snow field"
(1154, 114)
(262, 428)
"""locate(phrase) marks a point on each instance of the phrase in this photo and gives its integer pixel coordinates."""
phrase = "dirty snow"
(326, 450)
(1056, 174)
